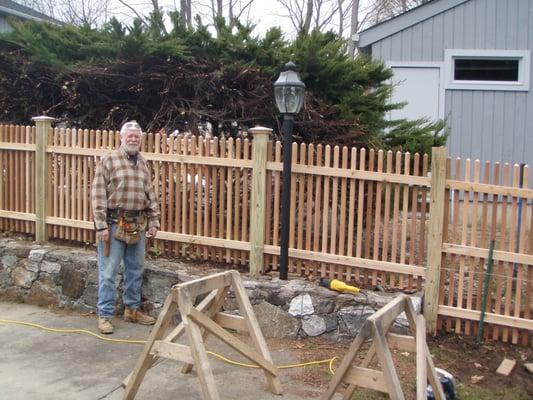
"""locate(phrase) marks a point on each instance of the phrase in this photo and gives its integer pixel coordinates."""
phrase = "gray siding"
(4, 25)
(485, 125)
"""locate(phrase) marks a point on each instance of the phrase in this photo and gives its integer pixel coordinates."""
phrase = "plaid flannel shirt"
(123, 184)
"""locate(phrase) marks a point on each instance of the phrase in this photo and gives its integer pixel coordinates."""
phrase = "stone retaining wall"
(66, 277)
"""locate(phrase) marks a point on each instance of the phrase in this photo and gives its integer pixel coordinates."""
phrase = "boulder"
(42, 295)
(73, 280)
(22, 277)
(301, 305)
(276, 323)
(313, 325)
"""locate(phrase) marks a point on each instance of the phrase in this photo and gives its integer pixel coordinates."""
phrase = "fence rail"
(356, 214)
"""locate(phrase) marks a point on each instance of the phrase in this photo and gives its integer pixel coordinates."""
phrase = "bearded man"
(124, 208)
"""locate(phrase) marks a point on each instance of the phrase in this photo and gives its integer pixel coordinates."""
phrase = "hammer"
(106, 247)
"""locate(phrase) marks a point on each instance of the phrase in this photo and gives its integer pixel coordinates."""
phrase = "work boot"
(104, 326)
(136, 315)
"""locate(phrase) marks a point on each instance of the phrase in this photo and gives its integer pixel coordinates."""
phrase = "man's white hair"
(130, 125)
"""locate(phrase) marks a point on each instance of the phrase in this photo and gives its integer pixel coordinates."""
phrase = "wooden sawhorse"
(376, 327)
(197, 323)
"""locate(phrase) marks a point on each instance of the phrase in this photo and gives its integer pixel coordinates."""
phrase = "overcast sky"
(263, 13)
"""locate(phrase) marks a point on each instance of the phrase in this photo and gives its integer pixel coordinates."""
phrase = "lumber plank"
(174, 351)
(199, 354)
(254, 330)
(146, 360)
(421, 366)
(232, 341)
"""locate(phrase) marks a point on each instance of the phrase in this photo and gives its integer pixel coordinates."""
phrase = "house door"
(420, 88)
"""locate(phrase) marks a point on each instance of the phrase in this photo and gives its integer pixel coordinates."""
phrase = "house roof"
(9, 7)
(405, 20)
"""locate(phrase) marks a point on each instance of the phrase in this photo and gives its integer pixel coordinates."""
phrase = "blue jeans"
(133, 256)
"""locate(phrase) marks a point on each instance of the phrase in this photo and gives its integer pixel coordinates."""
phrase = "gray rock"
(351, 319)
(157, 284)
(401, 322)
(9, 260)
(37, 255)
(32, 266)
(5, 279)
(73, 280)
(19, 250)
(90, 295)
(257, 296)
(331, 322)
(22, 277)
(43, 295)
(301, 305)
(230, 304)
(50, 267)
(324, 306)
(276, 323)
(313, 325)
(250, 284)
(281, 297)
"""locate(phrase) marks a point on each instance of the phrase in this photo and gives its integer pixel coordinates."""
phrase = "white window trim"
(523, 57)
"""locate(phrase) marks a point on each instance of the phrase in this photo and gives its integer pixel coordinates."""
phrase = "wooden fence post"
(257, 218)
(435, 231)
(42, 125)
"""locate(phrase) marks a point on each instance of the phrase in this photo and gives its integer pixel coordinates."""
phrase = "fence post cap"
(44, 118)
(259, 129)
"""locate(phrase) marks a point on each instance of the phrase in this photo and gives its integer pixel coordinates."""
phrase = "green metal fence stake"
(486, 282)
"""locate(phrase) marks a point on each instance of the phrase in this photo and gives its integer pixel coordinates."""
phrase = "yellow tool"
(339, 286)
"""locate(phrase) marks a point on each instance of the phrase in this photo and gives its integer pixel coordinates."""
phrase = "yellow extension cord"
(329, 361)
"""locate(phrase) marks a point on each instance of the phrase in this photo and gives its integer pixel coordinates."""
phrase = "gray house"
(10, 9)
(467, 61)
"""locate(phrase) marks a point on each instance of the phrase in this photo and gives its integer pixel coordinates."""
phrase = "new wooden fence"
(487, 202)
(358, 215)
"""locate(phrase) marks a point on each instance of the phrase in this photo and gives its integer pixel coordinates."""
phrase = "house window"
(487, 70)
(483, 69)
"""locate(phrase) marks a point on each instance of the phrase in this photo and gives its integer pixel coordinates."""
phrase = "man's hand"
(102, 235)
(152, 232)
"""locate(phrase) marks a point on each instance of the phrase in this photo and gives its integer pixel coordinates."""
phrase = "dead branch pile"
(161, 93)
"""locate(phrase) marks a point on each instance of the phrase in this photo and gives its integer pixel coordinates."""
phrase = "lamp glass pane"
(280, 98)
(291, 99)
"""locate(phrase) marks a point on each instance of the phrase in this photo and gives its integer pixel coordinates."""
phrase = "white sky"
(264, 13)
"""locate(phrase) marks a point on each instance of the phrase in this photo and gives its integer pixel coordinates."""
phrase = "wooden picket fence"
(359, 215)
(484, 203)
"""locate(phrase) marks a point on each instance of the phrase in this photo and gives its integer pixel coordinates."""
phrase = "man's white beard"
(131, 149)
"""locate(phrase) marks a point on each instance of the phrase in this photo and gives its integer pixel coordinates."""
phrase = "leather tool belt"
(130, 225)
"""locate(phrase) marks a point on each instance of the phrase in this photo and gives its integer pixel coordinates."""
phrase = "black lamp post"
(289, 93)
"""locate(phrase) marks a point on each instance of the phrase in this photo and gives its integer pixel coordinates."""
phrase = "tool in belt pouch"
(130, 227)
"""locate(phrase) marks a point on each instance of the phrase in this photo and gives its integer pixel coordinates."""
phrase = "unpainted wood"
(435, 226)
(258, 201)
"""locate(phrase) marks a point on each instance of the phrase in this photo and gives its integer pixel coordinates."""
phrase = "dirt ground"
(473, 367)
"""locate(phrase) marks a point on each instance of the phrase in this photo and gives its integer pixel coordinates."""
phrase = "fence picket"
(316, 209)
(245, 201)
(342, 217)
(325, 212)
(310, 207)
(472, 261)
(462, 259)
(369, 208)
(518, 268)
(502, 246)
(395, 217)
(360, 213)
(301, 207)
(386, 220)
(377, 221)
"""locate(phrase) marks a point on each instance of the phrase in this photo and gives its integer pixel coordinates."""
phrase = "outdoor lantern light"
(289, 93)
